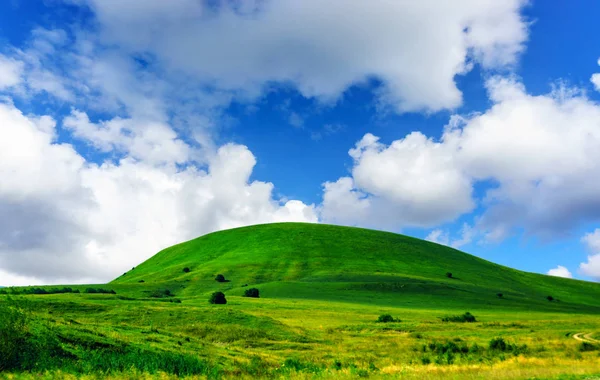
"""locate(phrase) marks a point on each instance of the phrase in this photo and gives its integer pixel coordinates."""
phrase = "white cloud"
(11, 72)
(560, 271)
(539, 152)
(76, 221)
(467, 233)
(415, 48)
(412, 182)
(143, 140)
(591, 241)
(438, 236)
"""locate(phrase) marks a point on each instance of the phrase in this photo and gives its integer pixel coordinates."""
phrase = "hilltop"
(334, 263)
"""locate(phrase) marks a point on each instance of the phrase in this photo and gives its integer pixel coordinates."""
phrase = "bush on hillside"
(500, 295)
(252, 292)
(220, 278)
(448, 274)
(186, 270)
(141, 281)
(161, 293)
(550, 298)
(217, 298)
(385, 318)
(586, 347)
(466, 317)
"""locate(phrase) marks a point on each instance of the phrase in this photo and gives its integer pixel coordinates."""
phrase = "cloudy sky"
(127, 126)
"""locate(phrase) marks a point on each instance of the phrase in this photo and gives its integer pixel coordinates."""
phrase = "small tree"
(217, 298)
(220, 278)
(448, 274)
(252, 292)
(186, 270)
(500, 295)
(385, 318)
(550, 298)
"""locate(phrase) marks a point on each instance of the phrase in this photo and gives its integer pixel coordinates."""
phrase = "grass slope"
(333, 263)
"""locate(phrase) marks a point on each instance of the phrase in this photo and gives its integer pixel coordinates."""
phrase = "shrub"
(220, 278)
(500, 295)
(385, 318)
(186, 270)
(161, 293)
(252, 292)
(217, 298)
(550, 298)
(586, 346)
(140, 281)
(498, 344)
(448, 274)
(466, 317)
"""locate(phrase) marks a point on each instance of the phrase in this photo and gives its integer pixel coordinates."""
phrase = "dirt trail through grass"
(583, 337)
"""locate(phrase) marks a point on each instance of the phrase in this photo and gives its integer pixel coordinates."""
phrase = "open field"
(322, 290)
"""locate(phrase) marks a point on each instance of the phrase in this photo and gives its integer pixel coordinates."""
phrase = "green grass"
(309, 261)
(322, 291)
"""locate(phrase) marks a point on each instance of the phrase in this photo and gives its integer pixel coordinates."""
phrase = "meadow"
(323, 290)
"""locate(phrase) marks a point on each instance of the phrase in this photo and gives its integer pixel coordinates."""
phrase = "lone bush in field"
(500, 295)
(466, 317)
(217, 298)
(550, 298)
(448, 274)
(252, 292)
(586, 347)
(220, 278)
(186, 270)
(385, 318)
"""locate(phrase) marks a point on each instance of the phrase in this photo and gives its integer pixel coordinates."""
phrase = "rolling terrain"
(335, 302)
(325, 262)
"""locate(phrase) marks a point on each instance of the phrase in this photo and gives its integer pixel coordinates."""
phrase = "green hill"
(325, 262)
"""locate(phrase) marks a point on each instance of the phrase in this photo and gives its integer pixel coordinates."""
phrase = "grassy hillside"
(323, 290)
(324, 262)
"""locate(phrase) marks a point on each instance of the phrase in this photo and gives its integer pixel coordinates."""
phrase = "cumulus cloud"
(143, 140)
(412, 182)
(73, 220)
(591, 241)
(538, 152)
(414, 48)
(560, 271)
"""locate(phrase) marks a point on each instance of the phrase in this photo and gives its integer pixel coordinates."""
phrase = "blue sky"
(129, 126)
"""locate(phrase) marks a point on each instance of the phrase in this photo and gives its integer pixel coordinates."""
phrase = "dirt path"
(583, 337)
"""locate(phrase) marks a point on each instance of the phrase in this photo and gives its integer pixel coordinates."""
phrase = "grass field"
(322, 290)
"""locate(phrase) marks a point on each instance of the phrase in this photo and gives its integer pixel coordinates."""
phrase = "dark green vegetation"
(217, 298)
(322, 289)
(385, 318)
(252, 292)
(466, 317)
